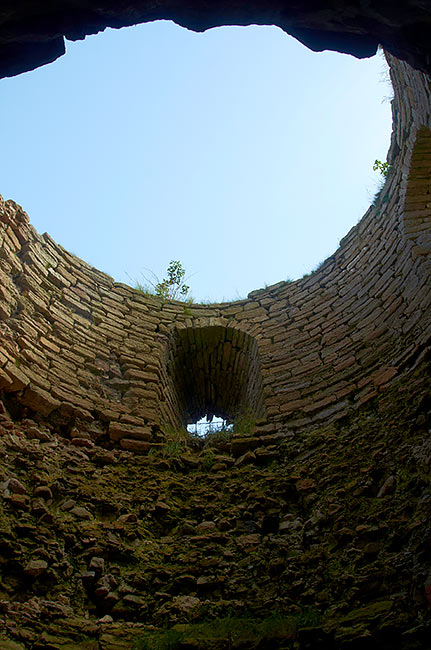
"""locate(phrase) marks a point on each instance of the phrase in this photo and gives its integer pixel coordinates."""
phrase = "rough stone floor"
(320, 541)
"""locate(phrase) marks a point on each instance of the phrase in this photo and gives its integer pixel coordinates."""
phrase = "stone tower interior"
(308, 525)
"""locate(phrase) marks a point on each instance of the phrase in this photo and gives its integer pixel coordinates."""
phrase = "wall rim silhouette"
(32, 34)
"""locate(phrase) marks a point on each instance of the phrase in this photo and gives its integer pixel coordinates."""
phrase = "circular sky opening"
(237, 151)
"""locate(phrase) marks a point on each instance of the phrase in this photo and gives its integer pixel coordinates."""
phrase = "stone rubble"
(331, 537)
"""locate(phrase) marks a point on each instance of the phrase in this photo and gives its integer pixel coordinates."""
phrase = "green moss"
(323, 560)
(208, 459)
(230, 631)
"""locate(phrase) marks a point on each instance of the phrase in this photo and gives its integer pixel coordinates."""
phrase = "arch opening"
(214, 372)
(417, 206)
(209, 425)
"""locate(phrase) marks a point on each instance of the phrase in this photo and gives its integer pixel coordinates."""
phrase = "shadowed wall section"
(417, 209)
(33, 33)
(79, 350)
(214, 370)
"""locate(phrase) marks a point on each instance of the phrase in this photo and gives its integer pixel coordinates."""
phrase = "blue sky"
(237, 151)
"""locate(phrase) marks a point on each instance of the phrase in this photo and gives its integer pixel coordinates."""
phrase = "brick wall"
(79, 349)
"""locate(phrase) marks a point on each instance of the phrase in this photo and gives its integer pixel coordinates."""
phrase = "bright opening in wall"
(214, 377)
(206, 426)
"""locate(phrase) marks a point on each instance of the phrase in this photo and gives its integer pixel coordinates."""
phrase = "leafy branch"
(382, 167)
(172, 287)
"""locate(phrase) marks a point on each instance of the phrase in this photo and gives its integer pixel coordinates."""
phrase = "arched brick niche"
(214, 369)
(417, 207)
(78, 349)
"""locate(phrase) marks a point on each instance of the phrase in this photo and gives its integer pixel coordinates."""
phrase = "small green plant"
(382, 167)
(215, 437)
(214, 434)
(161, 640)
(309, 617)
(175, 434)
(232, 632)
(376, 197)
(187, 310)
(172, 449)
(173, 286)
(220, 433)
(244, 425)
(176, 443)
(143, 288)
(208, 460)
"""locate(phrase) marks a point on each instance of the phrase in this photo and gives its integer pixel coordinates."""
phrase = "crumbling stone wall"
(83, 351)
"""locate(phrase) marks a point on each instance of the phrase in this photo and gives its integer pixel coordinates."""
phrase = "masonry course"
(77, 346)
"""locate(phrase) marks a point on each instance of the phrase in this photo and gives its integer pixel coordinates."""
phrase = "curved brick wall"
(83, 351)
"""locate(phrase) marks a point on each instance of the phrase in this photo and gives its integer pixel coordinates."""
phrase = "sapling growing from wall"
(382, 167)
(172, 287)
